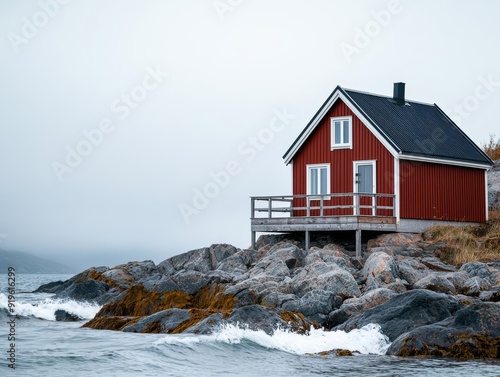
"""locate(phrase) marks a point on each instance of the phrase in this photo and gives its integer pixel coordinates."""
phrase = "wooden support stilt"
(358, 243)
(307, 240)
(253, 240)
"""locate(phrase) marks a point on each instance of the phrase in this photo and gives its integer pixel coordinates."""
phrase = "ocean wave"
(46, 309)
(366, 340)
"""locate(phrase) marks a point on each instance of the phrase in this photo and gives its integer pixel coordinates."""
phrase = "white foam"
(46, 309)
(367, 340)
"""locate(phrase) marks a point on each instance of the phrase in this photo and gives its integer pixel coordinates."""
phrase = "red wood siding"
(317, 150)
(442, 192)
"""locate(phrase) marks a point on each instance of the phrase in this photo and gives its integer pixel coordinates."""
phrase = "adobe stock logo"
(372, 29)
(94, 137)
(31, 26)
(483, 91)
(248, 151)
(224, 6)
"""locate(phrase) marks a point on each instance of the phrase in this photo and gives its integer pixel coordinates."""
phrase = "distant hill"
(29, 264)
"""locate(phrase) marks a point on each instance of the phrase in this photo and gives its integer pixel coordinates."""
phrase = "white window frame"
(309, 167)
(332, 132)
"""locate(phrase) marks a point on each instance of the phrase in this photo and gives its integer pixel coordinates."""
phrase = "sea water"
(44, 347)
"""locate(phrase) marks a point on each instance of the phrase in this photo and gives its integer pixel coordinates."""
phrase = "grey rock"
(162, 284)
(380, 270)
(139, 270)
(314, 302)
(166, 268)
(207, 326)
(405, 312)
(120, 276)
(326, 276)
(398, 286)
(402, 240)
(245, 297)
(190, 281)
(435, 264)
(472, 332)
(194, 260)
(87, 290)
(437, 283)
(490, 271)
(220, 252)
(411, 270)
(239, 262)
(220, 277)
(64, 316)
(474, 286)
(355, 306)
(276, 300)
(167, 320)
(331, 254)
(256, 317)
(51, 287)
(494, 187)
(492, 296)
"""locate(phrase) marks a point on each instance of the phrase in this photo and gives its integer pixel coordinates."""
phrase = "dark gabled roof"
(414, 129)
(418, 129)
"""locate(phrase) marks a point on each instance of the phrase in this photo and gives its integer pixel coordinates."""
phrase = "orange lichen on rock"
(116, 323)
(297, 321)
(140, 302)
(213, 298)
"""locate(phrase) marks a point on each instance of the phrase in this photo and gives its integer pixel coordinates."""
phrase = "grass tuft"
(469, 243)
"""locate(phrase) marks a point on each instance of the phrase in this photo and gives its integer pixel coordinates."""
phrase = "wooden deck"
(323, 213)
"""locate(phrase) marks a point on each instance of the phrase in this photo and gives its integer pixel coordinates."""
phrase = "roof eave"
(445, 161)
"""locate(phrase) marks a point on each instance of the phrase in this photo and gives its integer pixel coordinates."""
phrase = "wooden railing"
(323, 205)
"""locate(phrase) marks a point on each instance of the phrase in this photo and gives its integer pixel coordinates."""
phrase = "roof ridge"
(388, 97)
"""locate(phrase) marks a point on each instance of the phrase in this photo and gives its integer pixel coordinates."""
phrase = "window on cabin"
(341, 132)
(318, 179)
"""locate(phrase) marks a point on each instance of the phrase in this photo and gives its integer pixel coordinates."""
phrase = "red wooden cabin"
(371, 162)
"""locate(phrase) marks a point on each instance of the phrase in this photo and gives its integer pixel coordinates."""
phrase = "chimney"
(399, 93)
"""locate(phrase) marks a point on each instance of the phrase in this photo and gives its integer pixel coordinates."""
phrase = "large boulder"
(474, 332)
(436, 282)
(256, 317)
(331, 253)
(64, 316)
(165, 321)
(406, 312)
(395, 240)
(487, 271)
(379, 271)
(190, 281)
(326, 276)
(412, 270)
(314, 305)
(355, 306)
(202, 260)
(494, 187)
(88, 290)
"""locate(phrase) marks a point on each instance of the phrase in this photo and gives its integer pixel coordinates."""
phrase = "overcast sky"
(116, 114)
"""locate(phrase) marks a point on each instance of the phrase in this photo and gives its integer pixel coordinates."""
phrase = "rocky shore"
(425, 306)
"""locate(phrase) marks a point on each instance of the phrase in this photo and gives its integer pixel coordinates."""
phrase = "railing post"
(374, 203)
(308, 207)
(321, 206)
(252, 208)
(270, 208)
